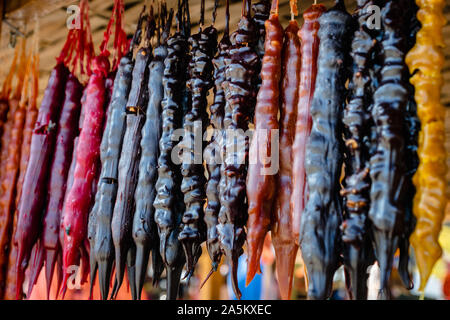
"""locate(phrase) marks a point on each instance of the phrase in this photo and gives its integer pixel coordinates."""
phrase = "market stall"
(224, 149)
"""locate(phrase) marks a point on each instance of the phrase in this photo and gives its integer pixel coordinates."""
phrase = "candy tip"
(285, 267)
(207, 277)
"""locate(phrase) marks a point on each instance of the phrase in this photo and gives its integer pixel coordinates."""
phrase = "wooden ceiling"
(52, 16)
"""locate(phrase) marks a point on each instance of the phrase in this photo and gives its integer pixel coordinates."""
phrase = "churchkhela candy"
(263, 167)
(145, 233)
(213, 152)
(285, 229)
(387, 168)
(32, 203)
(425, 62)
(103, 249)
(31, 116)
(169, 205)
(10, 157)
(320, 238)
(193, 233)
(242, 66)
(411, 132)
(309, 54)
(122, 218)
(356, 191)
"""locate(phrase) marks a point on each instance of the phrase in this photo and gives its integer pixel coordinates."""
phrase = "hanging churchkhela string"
(203, 48)
(30, 93)
(356, 191)
(10, 155)
(320, 235)
(81, 196)
(411, 132)
(213, 152)
(242, 65)
(122, 219)
(102, 249)
(145, 233)
(32, 201)
(261, 176)
(169, 205)
(347, 161)
(284, 227)
(309, 39)
(387, 170)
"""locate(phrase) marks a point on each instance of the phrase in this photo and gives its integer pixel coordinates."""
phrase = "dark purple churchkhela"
(145, 233)
(320, 236)
(169, 205)
(213, 154)
(60, 165)
(240, 86)
(359, 252)
(412, 127)
(122, 219)
(387, 167)
(193, 233)
(99, 230)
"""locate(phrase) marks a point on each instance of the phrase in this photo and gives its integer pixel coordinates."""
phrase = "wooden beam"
(14, 5)
(2, 9)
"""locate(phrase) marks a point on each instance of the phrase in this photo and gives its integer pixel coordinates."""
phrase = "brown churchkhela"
(10, 160)
(284, 227)
(261, 178)
(308, 73)
(31, 116)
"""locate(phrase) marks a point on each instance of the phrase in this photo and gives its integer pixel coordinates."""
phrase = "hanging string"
(21, 69)
(202, 13)
(294, 9)
(120, 42)
(78, 49)
(214, 14)
(227, 18)
(187, 21)
(150, 28)
(138, 35)
(246, 9)
(159, 23)
(179, 18)
(274, 8)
